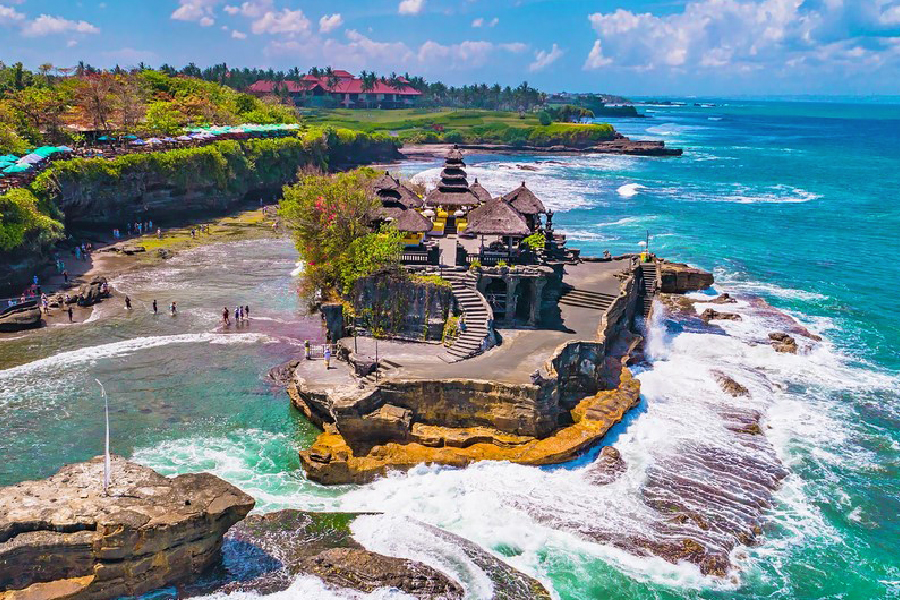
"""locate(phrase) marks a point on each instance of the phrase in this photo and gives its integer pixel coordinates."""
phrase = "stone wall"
(397, 307)
(681, 279)
(517, 409)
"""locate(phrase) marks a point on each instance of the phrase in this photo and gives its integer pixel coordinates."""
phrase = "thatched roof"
(496, 217)
(409, 198)
(385, 182)
(482, 194)
(525, 201)
(405, 219)
(455, 155)
(451, 196)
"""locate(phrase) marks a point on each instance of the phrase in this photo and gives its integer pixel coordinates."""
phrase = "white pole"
(106, 461)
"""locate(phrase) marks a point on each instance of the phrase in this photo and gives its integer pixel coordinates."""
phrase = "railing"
(492, 259)
(415, 258)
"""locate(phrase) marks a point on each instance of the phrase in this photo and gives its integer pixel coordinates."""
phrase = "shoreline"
(112, 258)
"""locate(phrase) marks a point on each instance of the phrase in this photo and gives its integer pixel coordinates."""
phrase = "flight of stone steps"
(473, 305)
(585, 299)
(386, 368)
(649, 273)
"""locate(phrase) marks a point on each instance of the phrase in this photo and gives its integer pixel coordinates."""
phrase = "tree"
(45, 69)
(94, 96)
(131, 103)
(163, 119)
(327, 213)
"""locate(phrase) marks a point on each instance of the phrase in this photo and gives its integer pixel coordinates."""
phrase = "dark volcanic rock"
(19, 318)
(680, 279)
(607, 468)
(64, 538)
(92, 292)
(265, 553)
(723, 299)
(711, 314)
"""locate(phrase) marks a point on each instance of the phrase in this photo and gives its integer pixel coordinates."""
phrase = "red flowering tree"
(330, 216)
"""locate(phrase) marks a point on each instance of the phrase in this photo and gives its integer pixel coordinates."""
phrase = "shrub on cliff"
(22, 224)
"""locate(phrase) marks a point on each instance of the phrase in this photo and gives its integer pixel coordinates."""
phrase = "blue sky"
(634, 47)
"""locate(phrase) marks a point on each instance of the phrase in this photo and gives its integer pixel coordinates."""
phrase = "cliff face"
(64, 538)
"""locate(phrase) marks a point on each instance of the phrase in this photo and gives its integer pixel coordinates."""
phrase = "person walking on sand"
(71, 320)
(247, 312)
(158, 233)
(193, 233)
(172, 308)
(127, 303)
(225, 317)
(155, 308)
(65, 276)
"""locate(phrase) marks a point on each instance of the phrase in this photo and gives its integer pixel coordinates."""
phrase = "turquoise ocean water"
(794, 203)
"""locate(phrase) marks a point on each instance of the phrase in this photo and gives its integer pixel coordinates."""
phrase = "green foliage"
(10, 142)
(435, 280)
(502, 263)
(21, 223)
(535, 241)
(475, 264)
(544, 117)
(570, 134)
(327, 214)
(163, 119)
(568, 113)
(369, 254)
(451, 330)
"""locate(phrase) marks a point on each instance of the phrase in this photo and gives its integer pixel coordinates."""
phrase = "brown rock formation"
(680, 279)
(331, 460)
(782, 342)
(729, 385)
(723, 299)
(607, 468)
(710, 314)
(64, 538)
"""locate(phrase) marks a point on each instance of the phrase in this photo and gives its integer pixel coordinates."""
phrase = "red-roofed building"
(341, 89)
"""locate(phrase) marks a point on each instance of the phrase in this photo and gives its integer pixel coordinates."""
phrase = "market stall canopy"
(30, 159)
(23, 168)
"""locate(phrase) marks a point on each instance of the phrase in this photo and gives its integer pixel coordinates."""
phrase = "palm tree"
(45, 69)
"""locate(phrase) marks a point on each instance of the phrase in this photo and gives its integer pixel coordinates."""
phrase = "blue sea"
(793, 205)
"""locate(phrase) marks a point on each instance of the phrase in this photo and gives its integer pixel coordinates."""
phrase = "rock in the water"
(607, 468)
(64, 538)
(266, 553)
(19, 318)
(93, 292)
(729, 385)
(782, 342)
(723, 299)
(711, 314)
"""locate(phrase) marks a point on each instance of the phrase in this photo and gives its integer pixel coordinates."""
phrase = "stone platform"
(542, 396)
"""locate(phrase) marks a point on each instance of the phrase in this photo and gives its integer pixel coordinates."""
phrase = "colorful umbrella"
(17, 169)
(30, 159)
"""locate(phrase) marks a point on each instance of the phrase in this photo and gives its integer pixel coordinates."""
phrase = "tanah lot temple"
(493, 340)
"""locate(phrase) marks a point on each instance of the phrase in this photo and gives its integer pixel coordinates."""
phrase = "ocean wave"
(629, 190)
(738, 283)
(113, 350)
(309, 587)
(581, 235)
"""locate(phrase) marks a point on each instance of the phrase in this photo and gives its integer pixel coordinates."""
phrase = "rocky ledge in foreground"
(64, 538)
(267, 553)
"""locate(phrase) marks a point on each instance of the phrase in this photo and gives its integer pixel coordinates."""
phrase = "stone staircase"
(571, 296)
(475, 308)
(386, 370)
(649, 274)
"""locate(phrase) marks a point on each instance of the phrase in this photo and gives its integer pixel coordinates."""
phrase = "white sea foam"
(113, 350)
(738, 283)
(623, 221)
(630, 190)
(298, 268)
(308, 587)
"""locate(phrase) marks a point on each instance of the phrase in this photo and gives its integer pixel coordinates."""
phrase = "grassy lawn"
(416, 126)
(414, 118)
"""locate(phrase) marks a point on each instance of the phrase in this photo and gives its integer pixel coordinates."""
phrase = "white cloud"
(238, 35)
(494, 22)
(595, 58)
(329, 23)
(515, 47)
(411, 7)
(544, 59)
(745, 35)
(8, 15)
(287, 21)
(479, 22)
(206, 22)
(102, 5)
(47, 25)
(71, 43)
(252, 8)
(194, 10)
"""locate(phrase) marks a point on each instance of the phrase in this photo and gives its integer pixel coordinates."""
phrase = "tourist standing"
(247, 312)
(327, 356)
(65, 275)
(172, 308)
(155, 308)
(158, 233)
(71, 320)
(127, 303)
(225, 317)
